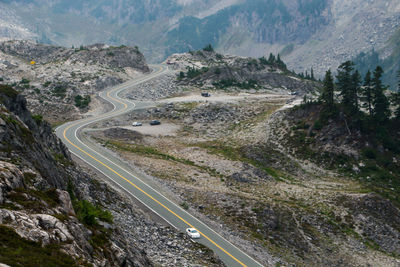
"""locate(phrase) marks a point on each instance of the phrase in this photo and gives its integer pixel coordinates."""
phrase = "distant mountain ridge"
(308, 33)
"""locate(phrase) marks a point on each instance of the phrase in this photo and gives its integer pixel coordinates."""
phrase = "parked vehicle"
(193, 233)
(136, 123)
(205, 94)
(155, 122)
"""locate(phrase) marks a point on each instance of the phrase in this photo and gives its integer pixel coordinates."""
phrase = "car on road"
(193, 233)
(136, 123)
(205, 94)
(293, 93)
(155, 122)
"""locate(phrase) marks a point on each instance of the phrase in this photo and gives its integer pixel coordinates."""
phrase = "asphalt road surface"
(135, 184)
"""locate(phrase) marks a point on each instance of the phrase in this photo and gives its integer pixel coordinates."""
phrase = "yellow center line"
(137, 187)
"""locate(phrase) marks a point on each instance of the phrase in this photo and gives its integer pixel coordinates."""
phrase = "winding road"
(134, 183)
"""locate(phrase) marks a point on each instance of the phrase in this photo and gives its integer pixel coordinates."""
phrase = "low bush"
(89, 214)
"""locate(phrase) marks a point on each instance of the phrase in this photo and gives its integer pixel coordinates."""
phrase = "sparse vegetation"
(37, 118)
(89, 214)
(16, 251)
(223, 84)
(59, 91)
(82, 102)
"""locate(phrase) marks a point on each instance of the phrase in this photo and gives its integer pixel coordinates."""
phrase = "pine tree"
(367, 93)
(345, 84)
(271, 59)
(356, 80)
(381, 111)
(280, 63)
(328, 90)
(312, 74)
(395, 99)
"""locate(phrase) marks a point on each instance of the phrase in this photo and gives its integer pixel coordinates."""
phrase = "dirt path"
(224, 98)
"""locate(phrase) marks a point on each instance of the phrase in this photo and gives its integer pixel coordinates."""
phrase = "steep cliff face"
(36, 211)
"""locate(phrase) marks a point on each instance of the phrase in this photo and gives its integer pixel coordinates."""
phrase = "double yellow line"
(137, 187)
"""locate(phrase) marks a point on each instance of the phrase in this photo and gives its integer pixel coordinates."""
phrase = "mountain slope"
(310, 33)
(60, 83)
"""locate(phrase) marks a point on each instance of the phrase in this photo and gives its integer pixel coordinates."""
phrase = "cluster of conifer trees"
(359, 97)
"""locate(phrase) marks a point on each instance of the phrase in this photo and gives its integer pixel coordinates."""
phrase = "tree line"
(363, 102)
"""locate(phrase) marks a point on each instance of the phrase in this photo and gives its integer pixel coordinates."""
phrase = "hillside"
(388, 57)
(307, 33)
(247, 163)
(213, 71)
(55, 214)
(61, 82)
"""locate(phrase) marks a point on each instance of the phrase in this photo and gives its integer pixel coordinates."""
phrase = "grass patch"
(29, 198)
(235, 154)
(154, 153)
(8, 91)
(60, 158)
(37, 118)
(16, 251)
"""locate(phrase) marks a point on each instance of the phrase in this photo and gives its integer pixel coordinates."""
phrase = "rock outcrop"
(46, 202)
(51, 77)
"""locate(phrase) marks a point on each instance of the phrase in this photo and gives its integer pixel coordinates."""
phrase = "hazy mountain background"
(307, 33)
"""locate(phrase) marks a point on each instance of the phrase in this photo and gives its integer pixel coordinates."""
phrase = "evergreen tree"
(367, 93)
(271, 59)
(280, 63)
(356, 79)
(328, 90)
(395, 99)
(345, 84)
(381, 111)
(312, 74)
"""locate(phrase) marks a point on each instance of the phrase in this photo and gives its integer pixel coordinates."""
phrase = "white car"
(193, 233)
(136, 123)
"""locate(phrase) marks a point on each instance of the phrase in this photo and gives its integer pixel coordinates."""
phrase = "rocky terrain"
(307, 33)
(211, 70)
(53, 213)
(52, 77)
(259, 171)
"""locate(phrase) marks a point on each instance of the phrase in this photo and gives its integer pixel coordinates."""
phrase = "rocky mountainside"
(58, 82)
(53, 214)
(308, 33)
(210, 70)
(36, 211)
(283, 185)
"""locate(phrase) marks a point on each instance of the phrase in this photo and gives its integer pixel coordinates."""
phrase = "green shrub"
(25, 81)
(82, 102)
(37, 118)
(88, 213)
(317, 125)
(208, 48)
(59, 91)
(184, 205)
(369, 153)
(46, 84)
(8, 91)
